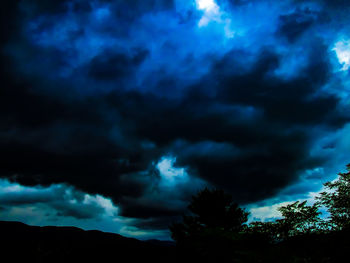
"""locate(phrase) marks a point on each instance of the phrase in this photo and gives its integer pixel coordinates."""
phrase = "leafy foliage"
(216, 209)
(269, 230)
(336, 199)
(211, 209)
(216, 230)
(298, 218)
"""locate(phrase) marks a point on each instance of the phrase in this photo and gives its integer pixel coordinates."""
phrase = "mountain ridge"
(22, 242)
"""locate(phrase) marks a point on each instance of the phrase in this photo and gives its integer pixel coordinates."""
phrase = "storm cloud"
(146, 102)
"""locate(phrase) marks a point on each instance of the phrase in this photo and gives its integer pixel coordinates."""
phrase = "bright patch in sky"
(266, 213)
(211, 12)
(342, 49)
(105, 203)
(206, 5)
(168, 172)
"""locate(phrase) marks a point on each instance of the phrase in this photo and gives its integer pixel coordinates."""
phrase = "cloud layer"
(146, 102)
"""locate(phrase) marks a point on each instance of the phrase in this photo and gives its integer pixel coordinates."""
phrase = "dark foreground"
(23, 243)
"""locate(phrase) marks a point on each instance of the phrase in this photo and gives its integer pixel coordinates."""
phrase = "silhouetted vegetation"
(23, 243)
(337, 200)
(217, 229)
(216, 224)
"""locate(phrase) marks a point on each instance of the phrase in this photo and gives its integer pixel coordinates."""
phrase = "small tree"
(270, 231)
(336, 199)
(299, 218)
(213, 228)
(216, 209)
(211, 209)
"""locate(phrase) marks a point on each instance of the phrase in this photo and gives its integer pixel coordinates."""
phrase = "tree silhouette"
(216, 209)
(298, 219)
(211, 209)
(336, 199)
(214, 228)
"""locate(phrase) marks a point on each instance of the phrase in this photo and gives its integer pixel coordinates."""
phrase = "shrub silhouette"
(336, 199)
(214, 230)
(211, 209)
(298, 218)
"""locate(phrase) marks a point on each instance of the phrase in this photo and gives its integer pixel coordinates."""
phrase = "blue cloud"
(145, 102)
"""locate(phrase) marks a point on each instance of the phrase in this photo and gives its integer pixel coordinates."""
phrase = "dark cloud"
(276, 142)
(292, 26)
(235, 3)
(86, 105)
(131, 8)
(337, 3)
(332, 3)
(17, 198)
(9, 19)
(78, 211)
(111, 66)
(64, 201)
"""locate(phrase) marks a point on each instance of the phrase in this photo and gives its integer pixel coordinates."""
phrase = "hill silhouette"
(23, 243)
(215, 229)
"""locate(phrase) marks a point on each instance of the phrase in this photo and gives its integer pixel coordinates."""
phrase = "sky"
(114, 113)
